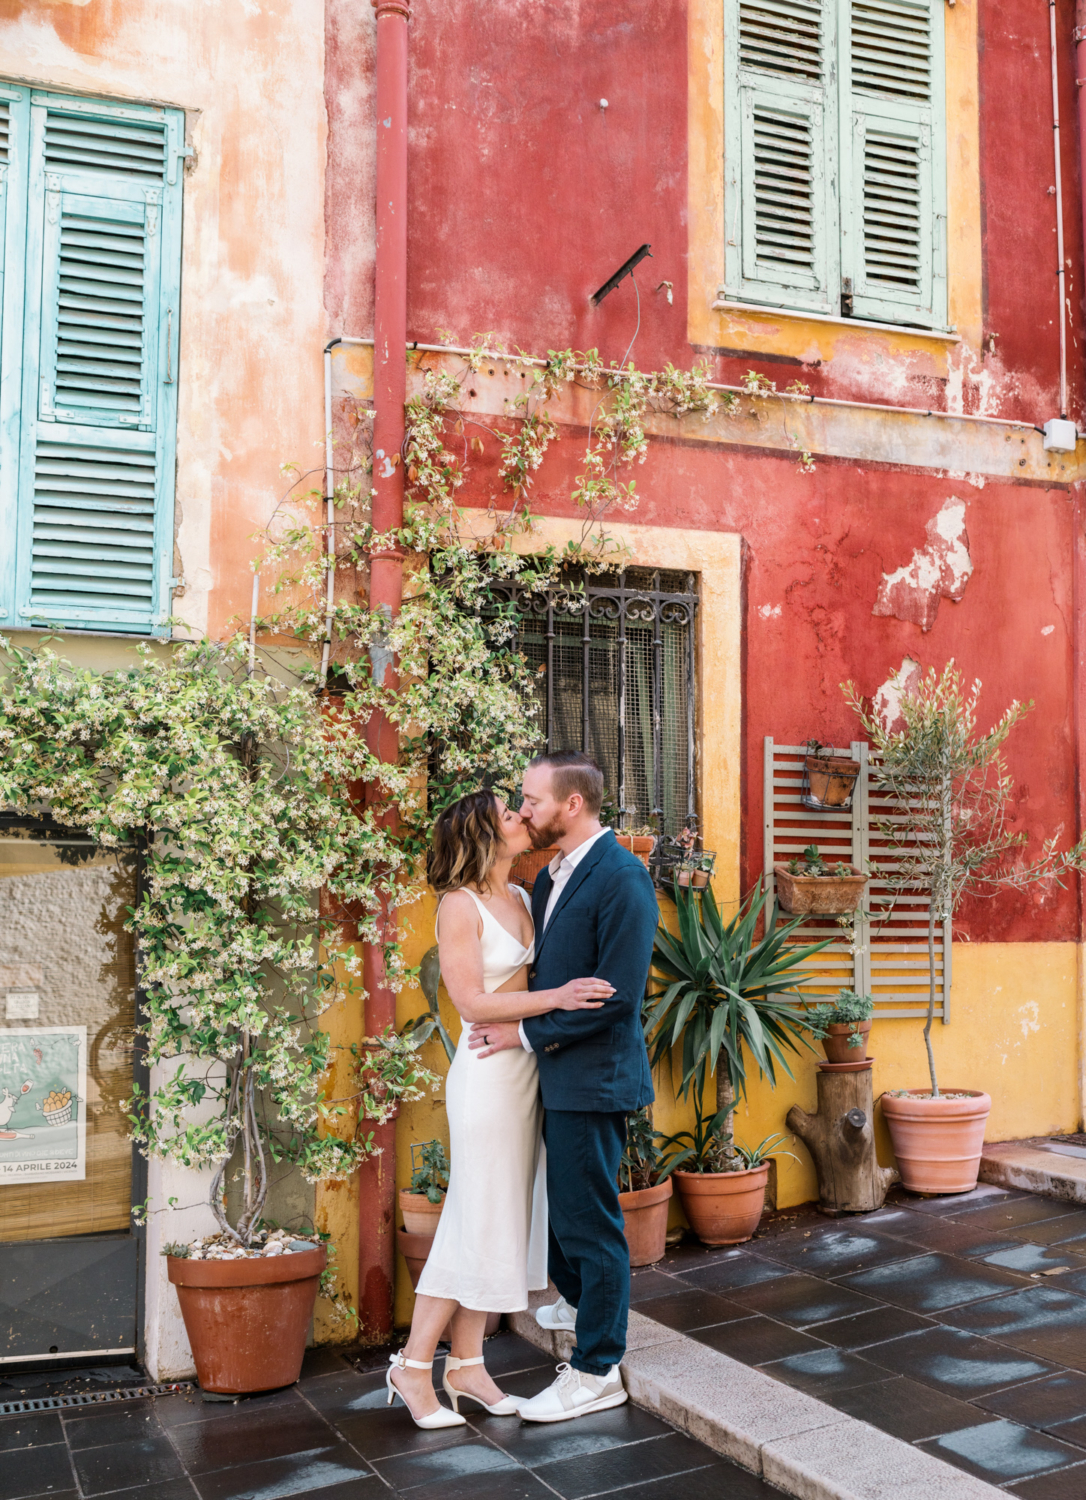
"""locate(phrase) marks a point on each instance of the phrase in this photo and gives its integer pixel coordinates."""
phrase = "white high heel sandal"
(508, 1406)
(440, 1418)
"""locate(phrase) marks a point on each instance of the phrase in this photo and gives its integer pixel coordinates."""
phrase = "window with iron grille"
(616, 653)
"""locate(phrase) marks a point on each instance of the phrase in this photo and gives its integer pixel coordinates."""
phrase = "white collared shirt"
(562, 867)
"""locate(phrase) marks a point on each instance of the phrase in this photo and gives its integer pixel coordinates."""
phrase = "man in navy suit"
(595, 913)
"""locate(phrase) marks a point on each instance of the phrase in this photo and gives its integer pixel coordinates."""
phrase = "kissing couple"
(550, 1062)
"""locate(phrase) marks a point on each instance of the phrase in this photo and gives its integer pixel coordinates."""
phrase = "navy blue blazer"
(603, 926)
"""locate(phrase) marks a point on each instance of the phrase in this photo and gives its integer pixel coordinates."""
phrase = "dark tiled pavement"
(332, 1436)
(957, 1324)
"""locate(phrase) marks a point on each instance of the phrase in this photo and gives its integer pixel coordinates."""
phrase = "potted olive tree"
(728, 997)
(948, 834)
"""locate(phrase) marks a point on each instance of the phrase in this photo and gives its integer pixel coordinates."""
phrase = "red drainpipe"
(1078, 520)
(377, 1177)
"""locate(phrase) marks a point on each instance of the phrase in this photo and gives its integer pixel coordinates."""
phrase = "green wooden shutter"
(893, 160)
(99, 380)
(781, 228)
(14, 134)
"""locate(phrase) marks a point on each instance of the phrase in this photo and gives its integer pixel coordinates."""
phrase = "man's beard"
(550, 833)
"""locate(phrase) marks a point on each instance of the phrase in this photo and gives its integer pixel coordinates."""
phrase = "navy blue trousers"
(589, 1261)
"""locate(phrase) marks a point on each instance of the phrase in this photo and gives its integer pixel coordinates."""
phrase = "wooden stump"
(841, 1138)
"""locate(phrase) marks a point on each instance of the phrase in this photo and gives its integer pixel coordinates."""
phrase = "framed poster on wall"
(43, 1098)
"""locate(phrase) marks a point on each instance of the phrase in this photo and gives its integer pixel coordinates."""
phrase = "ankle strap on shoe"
(401, 1362)
(452, 1363)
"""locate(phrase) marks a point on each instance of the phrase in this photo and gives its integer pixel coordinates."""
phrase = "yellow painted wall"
(1013, 1032)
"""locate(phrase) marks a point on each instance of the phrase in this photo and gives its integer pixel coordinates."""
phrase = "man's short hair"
(574, 771)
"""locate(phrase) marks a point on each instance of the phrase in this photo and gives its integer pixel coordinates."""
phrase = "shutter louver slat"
(891, 49)
(73, 143)
(5, 131)
(100, 306)
(93, 530)
(892, 213)
(783, 188)
(782, 38)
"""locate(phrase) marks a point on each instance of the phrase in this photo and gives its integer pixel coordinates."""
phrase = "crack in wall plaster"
(939, 570)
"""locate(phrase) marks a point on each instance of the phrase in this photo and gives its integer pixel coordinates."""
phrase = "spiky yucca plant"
(725, 992)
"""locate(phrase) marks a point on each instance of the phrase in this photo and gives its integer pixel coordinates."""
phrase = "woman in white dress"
(490, 1248)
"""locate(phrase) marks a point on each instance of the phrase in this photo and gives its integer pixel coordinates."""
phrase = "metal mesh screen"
(616, 660)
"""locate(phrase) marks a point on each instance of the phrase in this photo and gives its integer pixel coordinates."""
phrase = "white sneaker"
(575, 1394)
(557, 1315)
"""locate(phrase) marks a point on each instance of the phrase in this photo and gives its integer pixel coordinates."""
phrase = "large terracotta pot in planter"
(420, 1216)
(415, 1248)
(937, 1142)
(821, 895)
(835, 1042)
(644, 1217)
(248, 1320)
(723, 1208)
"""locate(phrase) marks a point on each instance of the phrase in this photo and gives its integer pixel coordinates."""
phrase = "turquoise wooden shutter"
(14, 136)
(893, 160)
(99, 381)
(781, 227)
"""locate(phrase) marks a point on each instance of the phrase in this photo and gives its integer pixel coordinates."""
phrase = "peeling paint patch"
(1030, 1018)
(769, 611)
(1047, 629)
(939, 570)
(887, 699)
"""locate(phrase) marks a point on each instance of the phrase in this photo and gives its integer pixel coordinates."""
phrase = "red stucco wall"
(525, 196)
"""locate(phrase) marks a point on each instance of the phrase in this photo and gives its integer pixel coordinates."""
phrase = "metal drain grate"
(94, 1398)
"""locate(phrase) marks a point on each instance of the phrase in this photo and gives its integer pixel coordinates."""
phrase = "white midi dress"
(490, 1248)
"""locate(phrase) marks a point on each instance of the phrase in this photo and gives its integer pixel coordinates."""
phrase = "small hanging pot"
(829, 781)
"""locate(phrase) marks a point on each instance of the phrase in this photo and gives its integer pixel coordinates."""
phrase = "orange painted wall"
(250, 79)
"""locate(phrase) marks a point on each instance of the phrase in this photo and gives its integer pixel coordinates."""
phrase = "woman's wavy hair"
(467, 839)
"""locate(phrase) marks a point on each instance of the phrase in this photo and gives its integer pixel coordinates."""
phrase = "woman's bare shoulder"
(462, 913)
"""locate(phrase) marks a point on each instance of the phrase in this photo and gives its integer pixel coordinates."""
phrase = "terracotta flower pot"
(822, 895)
(723, 1208)
(835, 1043)
(644, 1216)
(415, 1248)
(831, 779)
(640, 844)
(937, 1142)
(248, 1320)
(420, 1216)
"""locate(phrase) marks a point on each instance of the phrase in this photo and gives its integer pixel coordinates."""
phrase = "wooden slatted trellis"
(884, 952)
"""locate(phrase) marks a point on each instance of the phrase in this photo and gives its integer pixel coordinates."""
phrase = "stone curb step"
(804, 1447)
(1028, 1165)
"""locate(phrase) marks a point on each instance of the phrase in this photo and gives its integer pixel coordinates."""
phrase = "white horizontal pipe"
(739, 390)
